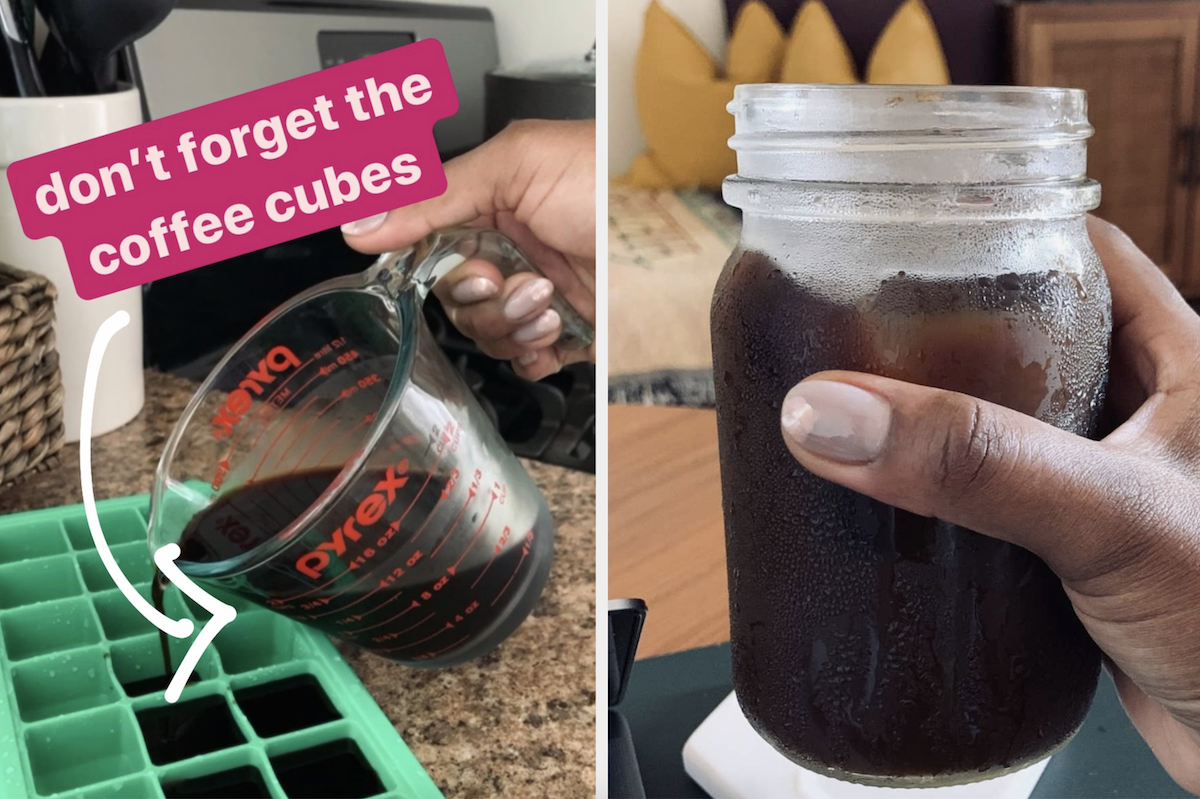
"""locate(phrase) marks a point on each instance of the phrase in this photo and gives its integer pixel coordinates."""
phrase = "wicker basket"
(31, 391)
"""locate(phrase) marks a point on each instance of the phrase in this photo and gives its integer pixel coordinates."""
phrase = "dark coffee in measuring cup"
(383, 578)
(335, 468)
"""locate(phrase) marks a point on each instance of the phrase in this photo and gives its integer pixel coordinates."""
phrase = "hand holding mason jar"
(1116, 519)
(897, 606)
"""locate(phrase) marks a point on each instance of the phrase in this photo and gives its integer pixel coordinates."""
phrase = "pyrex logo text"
(278, 360)
(369, 511)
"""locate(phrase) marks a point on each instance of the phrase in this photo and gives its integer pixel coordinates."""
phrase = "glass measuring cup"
(335, 468)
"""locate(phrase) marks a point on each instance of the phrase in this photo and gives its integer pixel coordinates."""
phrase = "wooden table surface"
(666, 541)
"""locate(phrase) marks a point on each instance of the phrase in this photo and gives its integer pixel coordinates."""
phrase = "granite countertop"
(519, 722)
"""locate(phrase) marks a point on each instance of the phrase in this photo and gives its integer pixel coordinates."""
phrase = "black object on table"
(625, 620)
(668, 697)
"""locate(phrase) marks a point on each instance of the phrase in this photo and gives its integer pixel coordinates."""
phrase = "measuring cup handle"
(445, 249)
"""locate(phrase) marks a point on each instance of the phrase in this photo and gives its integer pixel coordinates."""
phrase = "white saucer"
(731, 761)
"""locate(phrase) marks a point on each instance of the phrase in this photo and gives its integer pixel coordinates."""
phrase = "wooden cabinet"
(1139, 63)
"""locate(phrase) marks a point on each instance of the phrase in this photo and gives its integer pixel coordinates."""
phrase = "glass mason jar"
(934, 235)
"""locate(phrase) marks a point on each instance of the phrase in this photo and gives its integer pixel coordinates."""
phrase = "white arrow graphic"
(164, 557)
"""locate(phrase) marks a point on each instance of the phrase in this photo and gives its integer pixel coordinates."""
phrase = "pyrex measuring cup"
(335, 468)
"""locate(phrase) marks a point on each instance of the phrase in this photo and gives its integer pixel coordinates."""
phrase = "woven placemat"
(683, 388)
(31, 390)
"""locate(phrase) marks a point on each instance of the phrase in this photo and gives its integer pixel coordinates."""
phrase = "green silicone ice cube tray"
(275, 711)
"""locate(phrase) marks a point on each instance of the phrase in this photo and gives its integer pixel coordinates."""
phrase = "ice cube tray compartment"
(82, 713)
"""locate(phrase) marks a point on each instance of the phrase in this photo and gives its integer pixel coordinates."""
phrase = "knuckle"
(462, 319)
(520, 132)
(973, 449)
(498, 349)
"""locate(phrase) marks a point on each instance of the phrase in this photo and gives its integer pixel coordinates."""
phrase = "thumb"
(968, 462)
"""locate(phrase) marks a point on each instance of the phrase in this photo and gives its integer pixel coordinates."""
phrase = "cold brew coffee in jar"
(934, 235)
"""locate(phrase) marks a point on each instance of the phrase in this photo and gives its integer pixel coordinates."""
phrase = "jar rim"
(947, 112)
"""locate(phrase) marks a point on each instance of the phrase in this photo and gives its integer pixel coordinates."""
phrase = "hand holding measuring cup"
(335, 468)
(536, 183)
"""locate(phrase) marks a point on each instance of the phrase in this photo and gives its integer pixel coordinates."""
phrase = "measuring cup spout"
(420, 266)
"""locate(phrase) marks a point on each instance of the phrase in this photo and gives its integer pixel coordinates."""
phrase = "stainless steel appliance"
(208, 50)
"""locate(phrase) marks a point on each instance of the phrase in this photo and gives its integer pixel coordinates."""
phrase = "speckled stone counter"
(519, 722)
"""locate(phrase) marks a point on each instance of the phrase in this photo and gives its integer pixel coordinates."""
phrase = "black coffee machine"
(208, 50)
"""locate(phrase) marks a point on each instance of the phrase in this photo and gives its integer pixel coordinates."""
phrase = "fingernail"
(473, 289)
(836, 420)
(544, 325)
(528, 298)
(360, 226)
(528, 358)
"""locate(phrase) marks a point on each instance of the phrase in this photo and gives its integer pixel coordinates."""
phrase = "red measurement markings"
(321, 587)
(417, 496)
(304, 429)
(499, 492)
(453, 525)
(349, 604)
(524, 554)
(410, 440)
(370, 417)
(436, 652)
(435, 634)
(251, 524)
(475, 537)
(324, 371)
(429, 516)
(425, 596)
(409, 628)
(387, 537)
(279, 409)
(413, 560)
(496, 550)
(263, 460)
(391, 531)
(472, 490)
(223, 465)
(267, 403)
(411, 607)
(315, 588)
(458, 619)
(343, 437)
(300, 435)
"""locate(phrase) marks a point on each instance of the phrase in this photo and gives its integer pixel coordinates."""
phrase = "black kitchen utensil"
(58, 73)
(18, 73)
(92, 32)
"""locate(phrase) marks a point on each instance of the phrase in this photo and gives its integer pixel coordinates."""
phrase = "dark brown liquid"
(242, 782)
(168, 725)
(336, 768)
(157, 586)
(196, 727)
(866, 638)
(400, 587)
(286, 705)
